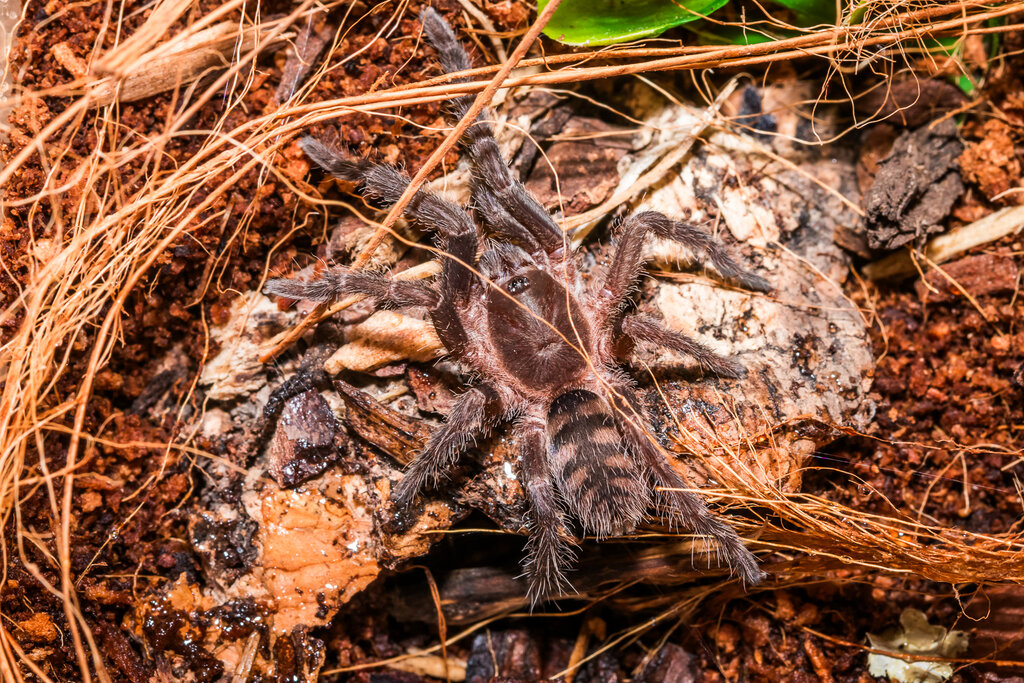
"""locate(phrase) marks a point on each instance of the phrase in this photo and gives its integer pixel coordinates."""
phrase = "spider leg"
(474, 413)
(311, 375)
(547, 550)
(686, 506)
(459, 242)
(337, 282)
(643, 328)
(386, 184)
(500, 222)
(488, 165)
(629, 260)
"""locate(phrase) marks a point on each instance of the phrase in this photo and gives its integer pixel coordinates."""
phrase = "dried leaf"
(386, 337)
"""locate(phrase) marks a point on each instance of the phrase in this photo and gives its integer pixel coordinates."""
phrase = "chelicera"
(546, 347)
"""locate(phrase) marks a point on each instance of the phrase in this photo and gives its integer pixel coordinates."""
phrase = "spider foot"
(333, 161)
(327, 287)
(547, 553)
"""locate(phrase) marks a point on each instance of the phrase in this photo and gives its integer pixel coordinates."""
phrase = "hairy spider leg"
(629, 259)
(459, 241)
(646, 329)
(548, 551)
(474, 414)
(684, 505)
(495, 182)
(628, 263)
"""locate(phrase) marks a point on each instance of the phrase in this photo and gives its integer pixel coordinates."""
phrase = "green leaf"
(605, 22)
(710, 33)
(811, 12)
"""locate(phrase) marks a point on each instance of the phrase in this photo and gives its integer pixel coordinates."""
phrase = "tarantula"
(545, 346)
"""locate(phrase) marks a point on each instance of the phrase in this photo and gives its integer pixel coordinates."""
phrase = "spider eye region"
(518, 284)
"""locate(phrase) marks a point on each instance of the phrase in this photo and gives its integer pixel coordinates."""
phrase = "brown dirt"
(943, 447)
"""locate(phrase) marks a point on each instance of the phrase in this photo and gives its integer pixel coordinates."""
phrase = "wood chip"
(399, 436)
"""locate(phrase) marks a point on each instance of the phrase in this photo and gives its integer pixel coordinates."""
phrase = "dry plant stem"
(73, 614)
(120, 59)
(481, 101)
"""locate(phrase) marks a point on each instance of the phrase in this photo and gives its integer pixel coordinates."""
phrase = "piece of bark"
(390, 431)
(805, 347)
(303, 443)
(672, 664)
(298, 656)
(117, 648)
(580, 171)
(468, 595)
(975, 275)
(995, 614)
(543, 114)
(916, 187)
(911, 102)
(310, 43)
(252, 321)
(945, 247)
(471, 594)
(511, 655)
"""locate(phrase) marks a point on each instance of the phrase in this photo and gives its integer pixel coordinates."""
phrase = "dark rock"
(303, 444)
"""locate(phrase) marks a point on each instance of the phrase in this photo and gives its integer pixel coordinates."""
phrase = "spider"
(545, 347)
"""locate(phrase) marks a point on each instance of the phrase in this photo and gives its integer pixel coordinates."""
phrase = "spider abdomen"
(600, 484)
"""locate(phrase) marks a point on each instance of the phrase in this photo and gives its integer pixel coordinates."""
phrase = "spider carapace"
(546, 348)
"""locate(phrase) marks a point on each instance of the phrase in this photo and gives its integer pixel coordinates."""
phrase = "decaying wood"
(393, 433)
(176, 63)
(915, 186)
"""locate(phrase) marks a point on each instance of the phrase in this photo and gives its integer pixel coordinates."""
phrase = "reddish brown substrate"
(947, 401)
